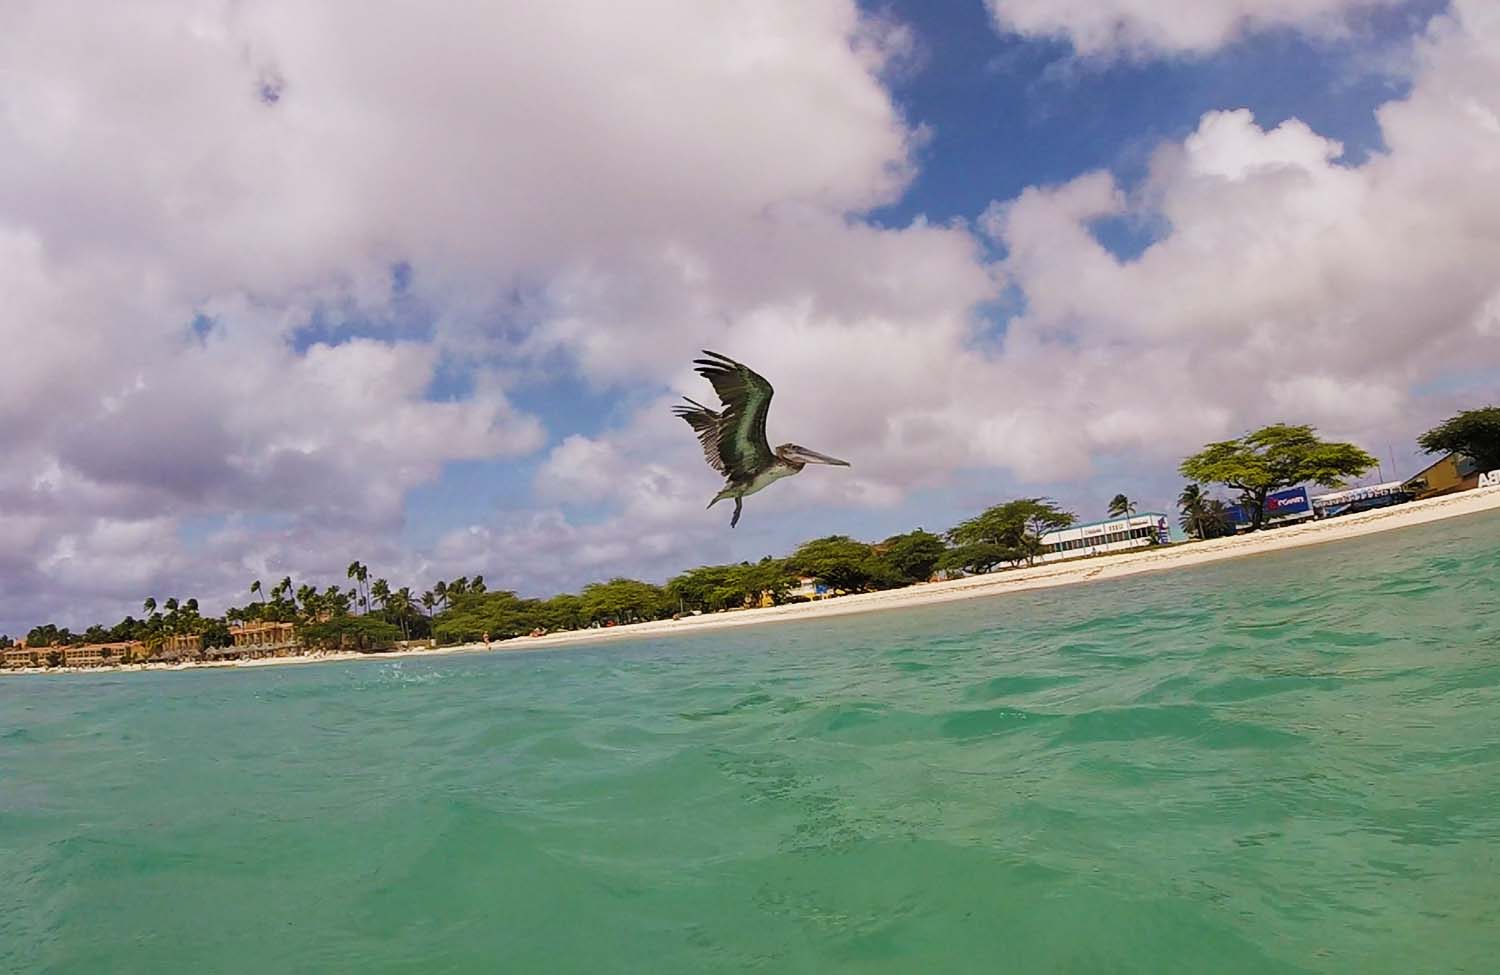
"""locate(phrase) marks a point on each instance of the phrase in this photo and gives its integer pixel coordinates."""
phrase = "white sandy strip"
(994, 584)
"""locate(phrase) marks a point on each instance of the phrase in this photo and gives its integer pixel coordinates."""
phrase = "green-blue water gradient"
(1289, 763)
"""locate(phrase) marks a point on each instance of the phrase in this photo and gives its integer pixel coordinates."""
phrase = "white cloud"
(549, 172)
(1143, 27)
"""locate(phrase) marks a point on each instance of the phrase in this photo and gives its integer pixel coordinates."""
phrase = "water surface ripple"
(1283, 764)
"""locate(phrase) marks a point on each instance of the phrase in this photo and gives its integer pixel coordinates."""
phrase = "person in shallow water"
(734, 438)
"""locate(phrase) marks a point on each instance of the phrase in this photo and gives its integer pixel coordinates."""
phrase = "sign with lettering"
(1492, 479)
(1285, 503)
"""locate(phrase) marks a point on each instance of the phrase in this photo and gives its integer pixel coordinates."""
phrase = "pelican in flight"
(734, 438)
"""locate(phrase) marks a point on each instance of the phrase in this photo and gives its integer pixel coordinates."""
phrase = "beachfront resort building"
(1098, 537)
(177, 648)
(1450, 475)
(809, 588)
(75, 655)
(21, 655)
(259, 640)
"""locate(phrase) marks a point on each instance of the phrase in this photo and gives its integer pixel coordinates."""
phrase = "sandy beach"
(1097, 568)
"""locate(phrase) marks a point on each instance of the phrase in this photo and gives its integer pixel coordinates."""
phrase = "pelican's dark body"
(734, 438)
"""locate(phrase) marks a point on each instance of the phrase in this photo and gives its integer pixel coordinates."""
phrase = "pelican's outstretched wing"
(705, 423)
(746, 395)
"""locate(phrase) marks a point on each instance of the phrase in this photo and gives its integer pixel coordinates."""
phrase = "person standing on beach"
(486, 639)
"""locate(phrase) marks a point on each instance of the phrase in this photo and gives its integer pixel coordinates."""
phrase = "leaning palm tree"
(149, 606)
(257, 590)
(1121, 507)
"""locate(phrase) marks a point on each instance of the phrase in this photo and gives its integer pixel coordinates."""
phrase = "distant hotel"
(76, 655)
(1098, 537)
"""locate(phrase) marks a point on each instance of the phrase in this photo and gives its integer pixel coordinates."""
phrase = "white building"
(1115, 535)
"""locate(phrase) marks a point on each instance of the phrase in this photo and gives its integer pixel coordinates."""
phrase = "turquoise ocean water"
(1282, 764)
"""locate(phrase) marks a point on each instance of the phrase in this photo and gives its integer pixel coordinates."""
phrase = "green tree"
(562, 612)
(1121, 507)
(704, 588)
(359, 573)
(149, 606)
(1015, 526)
(1203, 517)
(843, 563)
(1275, 457)
(1473, 433)
(913, 555)
(400, 608)
(365, 634)
(625, 601)
(979, 557)
(501, 614)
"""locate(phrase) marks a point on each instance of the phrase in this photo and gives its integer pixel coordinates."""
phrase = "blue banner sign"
(1286, 503)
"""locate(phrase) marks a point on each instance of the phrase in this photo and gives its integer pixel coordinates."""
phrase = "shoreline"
(1073, 572)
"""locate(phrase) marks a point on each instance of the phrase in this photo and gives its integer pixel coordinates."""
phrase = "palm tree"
(428, 602)
(477, 586)
(441, 591)
(399, 602)
(149, 606)
(1202, 516)
(256, 589)
(381, 591)
(360, 573)
(1121, 507)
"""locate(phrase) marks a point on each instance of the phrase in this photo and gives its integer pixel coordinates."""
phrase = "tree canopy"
(1016, 527)
(843, 563)
(1203, 517)
(914, 555)
(1275, 457)
(1472, 433)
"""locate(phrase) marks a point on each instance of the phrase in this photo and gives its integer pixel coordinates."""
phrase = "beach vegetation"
(1015, 526)
(366, 634)
(625, 601)
(913, 555)
(980, 557)
(841, 562)
(1121, 507)
(1474, 434)
(710, 588)
(1202, 516)
(1274, 457)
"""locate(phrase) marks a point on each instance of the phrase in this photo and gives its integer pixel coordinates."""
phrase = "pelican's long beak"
(813, 457)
